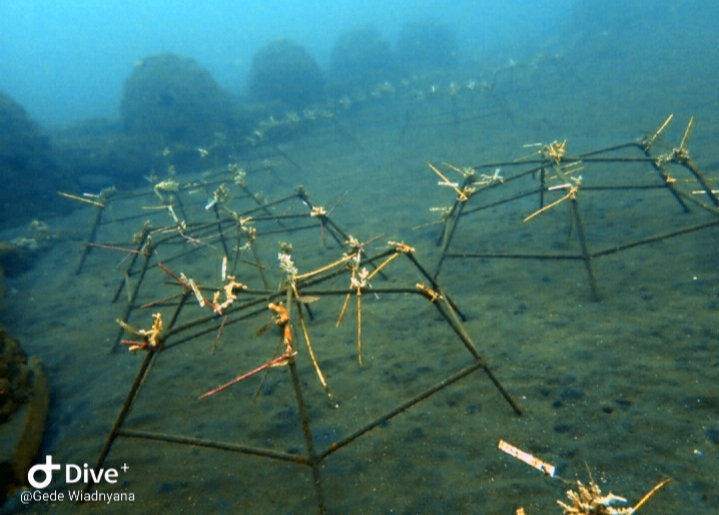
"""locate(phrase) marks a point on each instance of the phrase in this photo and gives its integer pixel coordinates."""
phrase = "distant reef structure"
(361, 58)
(426, 46)
(173, 100)
(30, 175)
(172, 113)
(98, 154)
(285, 76)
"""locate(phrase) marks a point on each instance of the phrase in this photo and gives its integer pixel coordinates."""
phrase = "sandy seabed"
(624, 387)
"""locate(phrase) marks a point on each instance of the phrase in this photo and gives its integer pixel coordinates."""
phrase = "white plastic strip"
(527, 458)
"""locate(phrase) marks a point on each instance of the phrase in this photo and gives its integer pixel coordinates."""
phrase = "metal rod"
(664, 175)
(213, 444)
(128, 270)
(502, 201)
(585, 155)
(451, 317)
(219, 228)
(492, 255)
(689, 165)
(573, 206)
(304, 418)
(124, 410)
(435, 285)
(265, 206)
(91, 238)
(259, 265)
(142, 373)
(655, 239)
(448, 232)
(399, 409)
(133, 296)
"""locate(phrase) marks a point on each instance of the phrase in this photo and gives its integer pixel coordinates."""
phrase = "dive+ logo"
(73, 474)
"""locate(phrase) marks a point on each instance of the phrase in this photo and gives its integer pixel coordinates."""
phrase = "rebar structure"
(172, 269)
(261, 331)
(572, 176)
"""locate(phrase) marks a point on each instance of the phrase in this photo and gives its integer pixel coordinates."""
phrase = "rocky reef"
(286, 76)
(30, 175)
(173, 100)
(361, 58)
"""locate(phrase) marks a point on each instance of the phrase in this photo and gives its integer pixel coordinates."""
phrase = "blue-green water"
(624, 385)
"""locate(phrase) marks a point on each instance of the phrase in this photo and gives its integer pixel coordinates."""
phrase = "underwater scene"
(359, 257)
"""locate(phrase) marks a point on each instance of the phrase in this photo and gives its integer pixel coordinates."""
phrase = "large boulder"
(169, 99)
(30, 177)
(24, 403)
(361, 58)
(285, 75)
(99, 154)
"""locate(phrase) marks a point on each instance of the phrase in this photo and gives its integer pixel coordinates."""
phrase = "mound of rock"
(23, 409)
(169, 99)
(30, 177)
(361, 58)
(284, 74)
